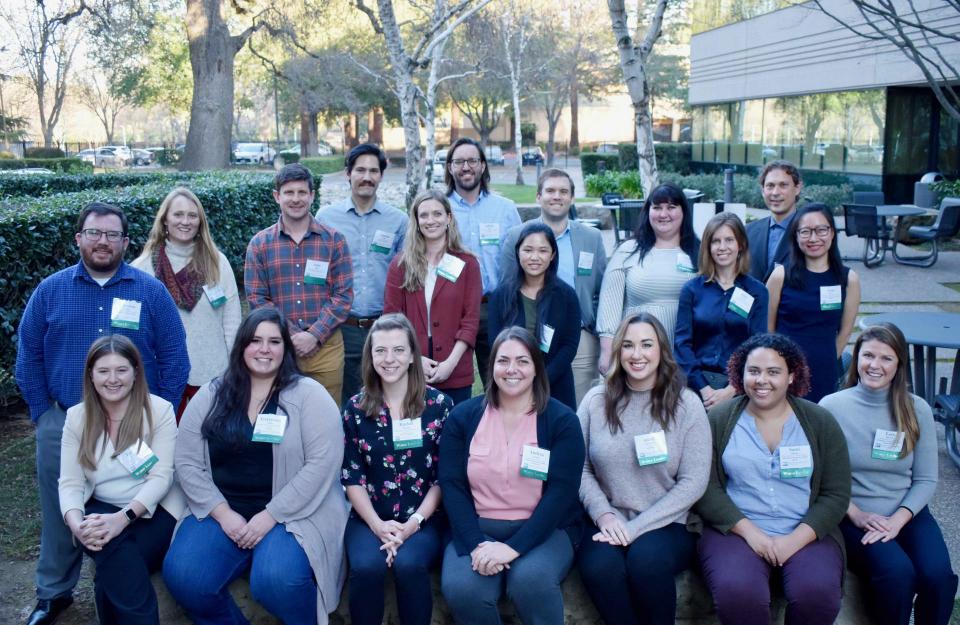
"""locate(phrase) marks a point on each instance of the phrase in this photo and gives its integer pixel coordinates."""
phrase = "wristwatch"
(131, 515)
(419, 518)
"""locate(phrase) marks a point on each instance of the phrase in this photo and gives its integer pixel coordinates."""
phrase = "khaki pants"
(326, 365)
(585, 373)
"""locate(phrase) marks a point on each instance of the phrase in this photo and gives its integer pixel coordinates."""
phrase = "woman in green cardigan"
(779, 487)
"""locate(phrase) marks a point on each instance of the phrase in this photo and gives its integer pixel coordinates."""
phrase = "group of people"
(332, 429)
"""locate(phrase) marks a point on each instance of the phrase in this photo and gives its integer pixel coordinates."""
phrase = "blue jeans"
(411, 574)
(635, 584)
(916, 562)
(532, 581)
(203, 561)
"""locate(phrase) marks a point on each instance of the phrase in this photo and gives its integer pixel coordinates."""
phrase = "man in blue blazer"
(781, 186)
(582, 262)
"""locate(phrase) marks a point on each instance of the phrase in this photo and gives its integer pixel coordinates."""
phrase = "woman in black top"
(392, 450)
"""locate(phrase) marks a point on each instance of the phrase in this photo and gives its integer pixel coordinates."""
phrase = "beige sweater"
(307, 497)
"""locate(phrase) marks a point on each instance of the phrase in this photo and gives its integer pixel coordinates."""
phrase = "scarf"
(185, 286)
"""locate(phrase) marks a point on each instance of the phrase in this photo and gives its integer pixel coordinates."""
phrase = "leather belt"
(361, 322)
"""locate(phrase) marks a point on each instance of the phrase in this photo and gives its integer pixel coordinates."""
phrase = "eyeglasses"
(458, 162)
(821, 232)
(92, 234)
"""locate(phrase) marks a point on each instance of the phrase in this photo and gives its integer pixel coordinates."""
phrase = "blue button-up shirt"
(775, 235)
(774, 504)
(489, 209)
(369, 263)
(69, 311)
(566, 263)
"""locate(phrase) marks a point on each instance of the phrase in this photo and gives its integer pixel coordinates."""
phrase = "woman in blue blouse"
(719, 309)
(536, 299)
(392, 438)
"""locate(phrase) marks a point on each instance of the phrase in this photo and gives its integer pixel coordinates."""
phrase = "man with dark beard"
(67, 312)
(483, 219)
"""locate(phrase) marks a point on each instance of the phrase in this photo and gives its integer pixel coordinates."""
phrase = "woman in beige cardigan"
(116, 480)
(259, 457)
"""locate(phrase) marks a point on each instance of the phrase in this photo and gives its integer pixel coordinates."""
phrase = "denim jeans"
(203, 561)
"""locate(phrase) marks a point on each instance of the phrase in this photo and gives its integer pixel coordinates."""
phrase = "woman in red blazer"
(435, 282)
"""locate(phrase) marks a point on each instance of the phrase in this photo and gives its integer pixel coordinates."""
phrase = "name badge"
(887, 445)
(535, 462)
(547, 339)
(796, 461)
(651, 448)
(450, 267)
(382, 242)
(215, 294)
(138, 459)
(407, 433)
(831, 297)
(741, 302)
(316, 272)
(489, 234)
(585, 264)
(269, 428)
(125, 313)
(684, 264)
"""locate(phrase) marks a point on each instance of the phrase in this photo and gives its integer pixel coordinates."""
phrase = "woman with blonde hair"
(435, 282)
(117, 493)
(181, 254)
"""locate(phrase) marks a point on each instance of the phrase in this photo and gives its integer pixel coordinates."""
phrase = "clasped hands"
(96, 530)
(247, 534)
(392, 534)
(492, 557)
(775, 550)
(876, 527)
(437, 371)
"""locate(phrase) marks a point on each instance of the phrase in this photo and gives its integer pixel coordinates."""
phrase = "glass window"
(949, 161)
(908, 144)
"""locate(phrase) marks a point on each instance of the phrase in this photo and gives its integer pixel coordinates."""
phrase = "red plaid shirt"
(273, 275)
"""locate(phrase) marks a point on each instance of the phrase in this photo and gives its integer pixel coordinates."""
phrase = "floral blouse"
(396, 480)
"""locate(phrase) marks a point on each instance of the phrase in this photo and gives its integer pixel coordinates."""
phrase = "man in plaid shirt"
(303, 268)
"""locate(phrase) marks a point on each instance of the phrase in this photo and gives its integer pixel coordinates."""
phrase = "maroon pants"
(188, 394)
(739, 581)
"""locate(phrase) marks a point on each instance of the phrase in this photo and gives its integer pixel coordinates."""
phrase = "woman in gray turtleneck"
(892, 539)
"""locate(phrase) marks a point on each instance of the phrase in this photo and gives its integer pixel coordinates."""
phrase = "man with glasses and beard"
(483, 219)
(68, 311)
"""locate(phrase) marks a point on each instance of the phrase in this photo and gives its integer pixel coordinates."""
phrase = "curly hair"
(791, 353)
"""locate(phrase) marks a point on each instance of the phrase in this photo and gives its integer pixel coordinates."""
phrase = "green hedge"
(63, 165)
(45, 184)
(319, 165)
(673, 157)
(43, 153)
(947, 188)
(37, 237)
(626, 183)
(589, 163)
(7, 155)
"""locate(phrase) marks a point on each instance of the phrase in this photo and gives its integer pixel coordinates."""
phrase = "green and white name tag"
(796, 461)
(407, 433)
(585, 264)
(535, 462)
(215, 294)
(489, 234)
(546, 340)
(125, 313)
(740, 302)
(651, 448)
(831, 297)
(382, 242)
(269, 428)
(316, 272)
(138, 459)
(450, 267)
(887, 445)
(684, 264)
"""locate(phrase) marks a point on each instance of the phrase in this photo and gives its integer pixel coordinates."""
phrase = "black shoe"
(48, 610)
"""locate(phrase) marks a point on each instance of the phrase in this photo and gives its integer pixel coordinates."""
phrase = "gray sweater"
(645, 497)
(882, 486)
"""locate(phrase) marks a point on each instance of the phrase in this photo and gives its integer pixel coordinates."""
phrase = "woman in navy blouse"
(392, 438)
(536, 299)
(719, 309)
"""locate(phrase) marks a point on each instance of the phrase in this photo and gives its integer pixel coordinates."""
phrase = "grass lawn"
(952, 285)
(527, 194)
(19, 505)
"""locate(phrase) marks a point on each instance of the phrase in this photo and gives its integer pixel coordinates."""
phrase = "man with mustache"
(68, 311)
(374, 231)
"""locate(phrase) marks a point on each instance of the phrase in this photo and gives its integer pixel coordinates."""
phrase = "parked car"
(254, 153)
(439, 165)
(123, 154)
(532, 155)
(88, 156)
(142, 157)
(494, 155)
(324, 148)
(608, 148)
(103, 157)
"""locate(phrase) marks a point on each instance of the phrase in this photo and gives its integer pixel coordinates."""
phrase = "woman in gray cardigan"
(258, 457)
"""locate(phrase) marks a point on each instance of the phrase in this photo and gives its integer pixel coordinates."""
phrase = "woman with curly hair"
(779, 487)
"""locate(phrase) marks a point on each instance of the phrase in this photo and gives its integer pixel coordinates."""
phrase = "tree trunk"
(375, 127)
(454, 123)
(212, 52)
(349, 136)
(551, 139)
(308, 133)
(574, 116)
(517, 136)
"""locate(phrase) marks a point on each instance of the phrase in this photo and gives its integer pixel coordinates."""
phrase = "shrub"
(833, 196)
(43, 153)
(62, 165)
(589, 163)
(37, 236)
(947, 188)
(626, 183)
(319, 165)
(41, 185)
(289, 157)
(674, 157)
(8, 155)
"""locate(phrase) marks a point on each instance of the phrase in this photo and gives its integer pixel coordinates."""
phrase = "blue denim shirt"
(369, 264)
(69, 311)
(774, 504)
(488, 209)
